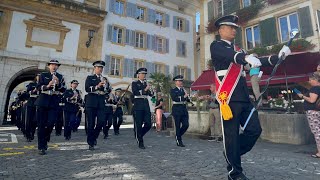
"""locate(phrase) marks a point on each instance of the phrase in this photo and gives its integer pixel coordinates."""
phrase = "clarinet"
(54, 81)
(188, 97)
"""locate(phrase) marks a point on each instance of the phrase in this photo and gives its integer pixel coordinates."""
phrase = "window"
(318, 17)
(246, 3)
(218, 8)
(180, 24)
(140, 40)
(253, 37)
(138, 64)
(158, 68)
(118, 35)
(141, 13)
(160, 44)
(159, 18)
(286, 24)
(182, 71)
(181, 51)
(115, 66)
(119, 7)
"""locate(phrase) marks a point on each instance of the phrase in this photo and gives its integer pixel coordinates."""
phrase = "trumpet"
(188, 97)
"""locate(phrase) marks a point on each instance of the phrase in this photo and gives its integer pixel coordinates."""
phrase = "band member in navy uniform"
(180, 98)
(72, 99)
(109, 101)
(142, 115)
(31, 121)
(24, 99)
(95, 103)
(60, 118)
(118, 112)
(233, 96)
(50, 85)
(19, 110)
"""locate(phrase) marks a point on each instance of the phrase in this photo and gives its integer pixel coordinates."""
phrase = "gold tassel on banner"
(225, 109)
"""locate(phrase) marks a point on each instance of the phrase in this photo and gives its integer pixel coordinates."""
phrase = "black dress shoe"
(141, 145)
(42, 152)
(238, 177)
(180, 143)
(58, 134)
(29, 140)
(91, 148)
(105, 137)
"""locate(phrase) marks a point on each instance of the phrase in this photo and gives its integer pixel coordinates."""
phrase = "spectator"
(159, 111)
(312, 111)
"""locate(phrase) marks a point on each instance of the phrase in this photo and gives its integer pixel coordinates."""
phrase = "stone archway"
(25, 74)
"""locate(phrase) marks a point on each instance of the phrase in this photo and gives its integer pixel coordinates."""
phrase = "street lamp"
(90, 36)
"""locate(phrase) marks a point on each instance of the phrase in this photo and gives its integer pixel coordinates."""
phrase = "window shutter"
(136, 12)
(106, 69)
(187, 29)
(305, 22)
(230, 6)
(167, 70)
(268, 32)
(167, 20)
(150, 67)
(125, 67)
(210, 10)
(179, 48)
(167, 45)
(149, 42)
(174, 22)
(175, 71)
(189, 73)
(133, 38)
(127, 37)
(155, 43)
(109, 36)
(238, 39)
(131, 70)
(111, 5)
(153, 39)
(151, 16)
(128, 10)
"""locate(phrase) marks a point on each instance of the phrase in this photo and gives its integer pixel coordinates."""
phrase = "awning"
(204, 81)
(297, 66)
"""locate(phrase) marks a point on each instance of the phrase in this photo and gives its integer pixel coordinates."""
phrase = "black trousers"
(117, 121)
(69, 117)
(23, 119)
(59, 123)
(235, 144)
(46, 118)
(18, 118)
(31, 121)
(142, 118)
(94, 127)
(181, 123)
(107, 123)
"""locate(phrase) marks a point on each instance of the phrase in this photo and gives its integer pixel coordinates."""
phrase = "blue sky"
(197, 20)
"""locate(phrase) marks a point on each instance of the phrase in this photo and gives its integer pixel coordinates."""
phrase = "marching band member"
(50, 85)
(72, 99)
(141, 108)
(118, 112)
(109, 101)
(95, 103)
(232, 94)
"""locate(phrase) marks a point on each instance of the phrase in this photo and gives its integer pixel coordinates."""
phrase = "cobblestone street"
(119, 158)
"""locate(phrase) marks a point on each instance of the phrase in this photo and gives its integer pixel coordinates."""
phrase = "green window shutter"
(268, 31)
(230, 6)
(238, 39)
(210, 10)
(305, 22)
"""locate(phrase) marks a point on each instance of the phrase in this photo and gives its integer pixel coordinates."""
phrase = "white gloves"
(253, 61)
(285, 50)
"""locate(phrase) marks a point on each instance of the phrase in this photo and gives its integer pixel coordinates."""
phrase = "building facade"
(33, 32)
(126, 34)
(268, 25)
(158, 35)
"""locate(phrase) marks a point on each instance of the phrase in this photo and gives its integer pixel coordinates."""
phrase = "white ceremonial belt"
(61, 104)
(109, 105)
(142, 96)
(50, 92)
(33, 96)
(224, 72)
(99, 92)
(183, 102)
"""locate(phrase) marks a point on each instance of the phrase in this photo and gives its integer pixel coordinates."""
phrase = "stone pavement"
(120, 158)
